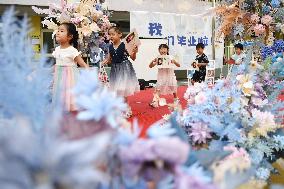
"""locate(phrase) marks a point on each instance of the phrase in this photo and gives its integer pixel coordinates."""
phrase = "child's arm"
(80, 61)
(134, 52)
(107, 60)
(153, 63)
(176, 63)
(204, 62)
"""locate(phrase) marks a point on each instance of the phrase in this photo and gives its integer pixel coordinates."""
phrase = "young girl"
(123, 78)
(66, 71)
(166, 80)
(236, 60)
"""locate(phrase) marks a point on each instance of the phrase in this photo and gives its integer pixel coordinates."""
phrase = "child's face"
(199, 50)
(62, 34)
(163, 51)
(114, 36)
(238, 50)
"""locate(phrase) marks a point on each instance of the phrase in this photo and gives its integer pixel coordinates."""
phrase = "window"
(47, 42)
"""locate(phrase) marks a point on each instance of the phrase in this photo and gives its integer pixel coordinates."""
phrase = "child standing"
(166, 80)
(66, 71)
(202, 61)
(236, 60)
(239, 56)
(123, 78)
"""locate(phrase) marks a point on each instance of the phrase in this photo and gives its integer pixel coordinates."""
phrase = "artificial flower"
(50, 24)
(237, 152)
(254, 18)
(254, 65)
(246, 84)
(238, 161)
(275, 3)
(266, 20)
(262, 173)
(264, 123)
(259, 29)
(200, 98)
(259, 102)
(94, 27)
(266, 9)
(199, 133)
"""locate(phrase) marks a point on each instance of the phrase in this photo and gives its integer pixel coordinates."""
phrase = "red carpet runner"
(145, 114)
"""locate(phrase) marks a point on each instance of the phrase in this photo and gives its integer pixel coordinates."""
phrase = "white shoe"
(128, 113)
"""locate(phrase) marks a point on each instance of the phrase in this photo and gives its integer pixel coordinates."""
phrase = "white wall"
(170, 6)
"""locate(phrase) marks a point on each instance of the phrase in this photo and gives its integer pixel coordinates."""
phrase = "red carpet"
(145, 114)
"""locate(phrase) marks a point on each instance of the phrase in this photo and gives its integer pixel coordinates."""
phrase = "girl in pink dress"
(66, 71)
(166, 80)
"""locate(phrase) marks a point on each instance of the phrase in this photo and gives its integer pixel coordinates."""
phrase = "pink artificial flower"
(263, 119)
(200, 132)
(200, 98)
(254, 18)
(259, 29)
(266, 20)
(237, 153)
(76, 20)
(191, 101)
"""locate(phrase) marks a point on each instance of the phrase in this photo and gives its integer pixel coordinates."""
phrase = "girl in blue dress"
(123, 78)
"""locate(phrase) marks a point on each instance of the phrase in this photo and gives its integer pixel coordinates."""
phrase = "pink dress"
(65, 77)
(166, 81)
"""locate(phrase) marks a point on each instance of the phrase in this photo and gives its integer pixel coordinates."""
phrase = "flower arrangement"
(258, 18)
(241, 111)
(90, 18)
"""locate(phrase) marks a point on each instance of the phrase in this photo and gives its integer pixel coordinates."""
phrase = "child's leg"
(156, 96)
(128, 111)
(175, 95)
(176, 100)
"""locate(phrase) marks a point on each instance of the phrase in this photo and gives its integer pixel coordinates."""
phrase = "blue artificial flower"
(262, 173)
(266, 9)
(98, 7)
(256, 156)
(25, 83)
(266, 52)
(198, 171)
(279, 15)
(238, 29)
(278, 46)
(275, 3)
(101, 104)
(156, 131)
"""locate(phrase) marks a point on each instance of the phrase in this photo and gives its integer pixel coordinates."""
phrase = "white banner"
(182, 31)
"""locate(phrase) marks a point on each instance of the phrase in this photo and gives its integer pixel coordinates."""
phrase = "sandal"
(128, 113)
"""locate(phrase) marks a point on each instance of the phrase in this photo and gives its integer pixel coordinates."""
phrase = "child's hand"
(135, 49)
(155, 61)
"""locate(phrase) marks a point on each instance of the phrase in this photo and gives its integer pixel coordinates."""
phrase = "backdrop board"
(182, 32)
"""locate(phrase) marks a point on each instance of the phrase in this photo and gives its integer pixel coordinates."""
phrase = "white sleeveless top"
(65, 57)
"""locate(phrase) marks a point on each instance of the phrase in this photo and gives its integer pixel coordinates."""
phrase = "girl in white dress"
(66, 71)
(166, 80)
